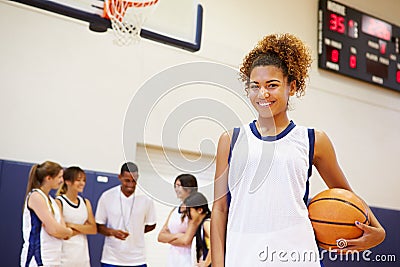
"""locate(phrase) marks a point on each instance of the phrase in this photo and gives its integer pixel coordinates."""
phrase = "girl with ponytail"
(78, 215)
(42, 225)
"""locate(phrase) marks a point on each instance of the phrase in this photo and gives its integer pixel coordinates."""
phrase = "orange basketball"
(333, 213)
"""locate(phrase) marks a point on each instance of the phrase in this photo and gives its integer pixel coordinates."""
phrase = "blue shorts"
(111, 265)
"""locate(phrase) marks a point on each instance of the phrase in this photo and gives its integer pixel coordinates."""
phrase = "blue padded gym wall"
(389, 249)
(13, 181)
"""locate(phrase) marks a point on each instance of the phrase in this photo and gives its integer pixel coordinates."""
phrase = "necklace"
(126, 223)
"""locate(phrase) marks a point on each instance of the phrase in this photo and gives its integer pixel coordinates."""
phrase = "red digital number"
(353, 61)
(337, 23)
(335, 56)
(341, 27)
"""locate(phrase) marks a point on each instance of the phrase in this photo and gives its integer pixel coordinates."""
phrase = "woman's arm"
(219, 213)
(179, 239)
(165, 236)
(38, 204)
(62, 221)
(89, 227)
(327, 165)
(185, 239)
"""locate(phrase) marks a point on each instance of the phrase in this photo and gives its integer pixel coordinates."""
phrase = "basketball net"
(127, 18)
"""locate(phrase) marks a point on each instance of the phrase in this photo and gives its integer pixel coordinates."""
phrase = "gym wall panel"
(100, 182)
(89, 187)
(13, 181)
(1, 166)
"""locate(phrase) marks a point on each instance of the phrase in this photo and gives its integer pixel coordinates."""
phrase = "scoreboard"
(358, 45)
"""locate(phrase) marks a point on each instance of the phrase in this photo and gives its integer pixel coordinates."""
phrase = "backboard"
(174, 22)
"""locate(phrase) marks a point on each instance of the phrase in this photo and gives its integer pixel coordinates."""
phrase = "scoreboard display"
(358, 45)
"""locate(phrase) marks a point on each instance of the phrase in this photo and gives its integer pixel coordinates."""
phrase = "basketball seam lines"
(344, 201)
(327, 222)
(332, 245)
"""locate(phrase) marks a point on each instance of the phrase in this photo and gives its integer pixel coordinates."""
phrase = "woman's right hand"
(70, 234)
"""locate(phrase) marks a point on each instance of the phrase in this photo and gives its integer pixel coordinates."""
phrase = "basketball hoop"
(127, 18)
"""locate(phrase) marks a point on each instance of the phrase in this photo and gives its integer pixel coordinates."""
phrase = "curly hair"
(284, 51)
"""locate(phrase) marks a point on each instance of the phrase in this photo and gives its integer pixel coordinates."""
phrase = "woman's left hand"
(371, 237)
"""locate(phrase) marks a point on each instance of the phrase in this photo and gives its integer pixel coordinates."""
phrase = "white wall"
(65, 90)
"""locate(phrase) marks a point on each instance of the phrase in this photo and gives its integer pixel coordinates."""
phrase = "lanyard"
(126, 223)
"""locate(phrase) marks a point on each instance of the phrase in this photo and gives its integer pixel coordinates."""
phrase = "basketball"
(333, 213)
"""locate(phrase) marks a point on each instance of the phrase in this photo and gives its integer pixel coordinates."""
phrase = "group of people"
(260, 189)
(55, 230)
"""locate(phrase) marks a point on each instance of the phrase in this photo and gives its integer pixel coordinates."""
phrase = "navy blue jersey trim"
(235, 135)
(70, 203)
(228, 198)
(34, 249)
(233, 142)
(311, 141)
(255, 131)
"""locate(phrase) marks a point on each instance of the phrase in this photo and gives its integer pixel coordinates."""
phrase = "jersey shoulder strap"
(311, 142)
(235, 135)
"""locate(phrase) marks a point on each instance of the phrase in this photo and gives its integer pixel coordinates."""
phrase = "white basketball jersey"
(268, 222)
(39, 248)
(75, 251)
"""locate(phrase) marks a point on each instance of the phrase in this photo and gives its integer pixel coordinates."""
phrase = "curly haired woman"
(260, 215)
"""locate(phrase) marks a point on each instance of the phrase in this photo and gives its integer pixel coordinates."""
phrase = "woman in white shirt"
(42, 226)
(78, 215)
